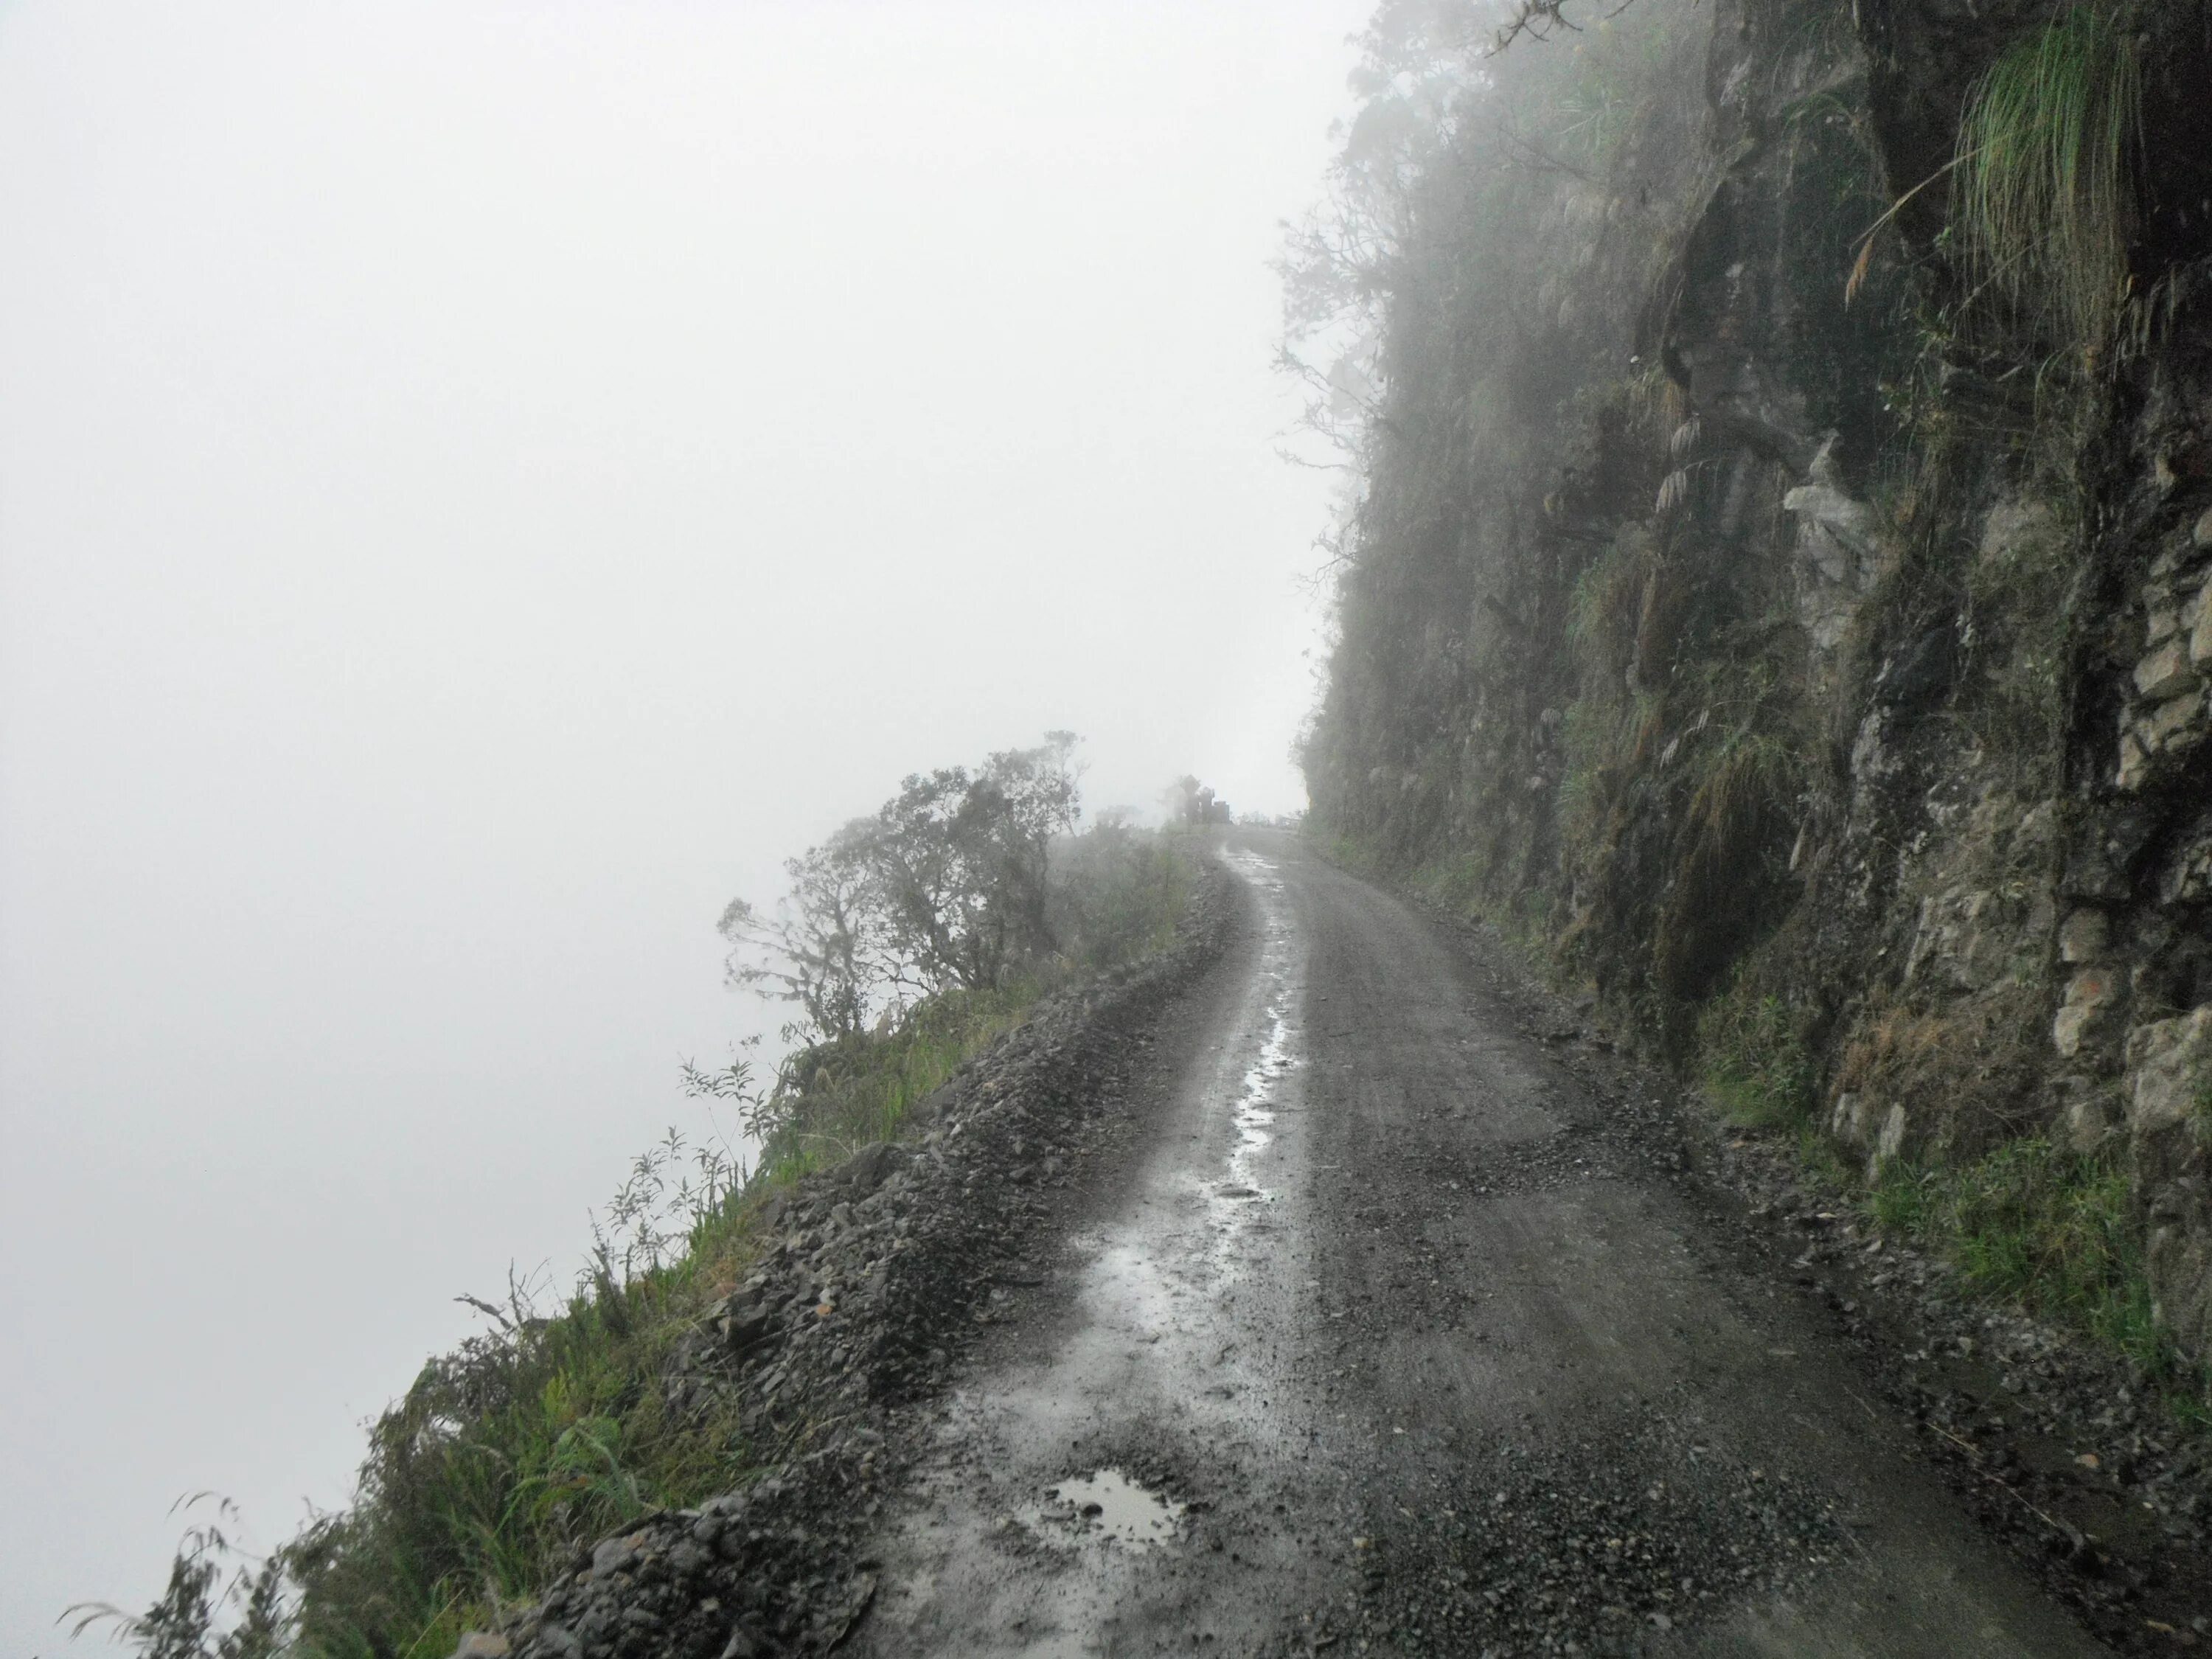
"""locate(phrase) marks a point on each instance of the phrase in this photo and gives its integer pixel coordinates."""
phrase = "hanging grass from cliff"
(2043, 210)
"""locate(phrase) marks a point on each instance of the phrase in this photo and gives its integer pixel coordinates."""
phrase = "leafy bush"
(189, 1619)
(1116, 894)
(832, 1098)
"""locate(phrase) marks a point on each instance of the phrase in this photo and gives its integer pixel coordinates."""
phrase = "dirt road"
(1394, 1336)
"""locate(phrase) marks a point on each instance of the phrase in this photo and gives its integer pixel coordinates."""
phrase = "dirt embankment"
(882, 1272)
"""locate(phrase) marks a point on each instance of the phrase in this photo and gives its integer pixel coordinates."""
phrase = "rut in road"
(1394, 1337)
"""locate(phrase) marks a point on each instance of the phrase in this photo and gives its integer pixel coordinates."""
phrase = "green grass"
(841, 1097)
(549, 1430)
(2043, 207)
(1754, 1063)
(538, 1435)
(2049, 1231)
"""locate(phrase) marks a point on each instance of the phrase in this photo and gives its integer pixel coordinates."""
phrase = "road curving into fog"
(1395, 1329)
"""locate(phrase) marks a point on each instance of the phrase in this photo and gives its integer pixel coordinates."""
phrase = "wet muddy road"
(1397, 1335)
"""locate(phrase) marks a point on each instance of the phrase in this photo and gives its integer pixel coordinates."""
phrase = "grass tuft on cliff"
(2044, 208)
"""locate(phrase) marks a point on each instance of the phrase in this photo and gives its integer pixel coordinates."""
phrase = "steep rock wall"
(1734, 610)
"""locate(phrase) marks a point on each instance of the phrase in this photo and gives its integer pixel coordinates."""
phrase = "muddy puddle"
(1252, 1114)
(1108, 1503)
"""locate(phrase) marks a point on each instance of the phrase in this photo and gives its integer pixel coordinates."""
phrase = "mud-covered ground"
(1329, 1288)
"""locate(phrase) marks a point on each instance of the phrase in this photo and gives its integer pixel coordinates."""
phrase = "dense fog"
(479, 485)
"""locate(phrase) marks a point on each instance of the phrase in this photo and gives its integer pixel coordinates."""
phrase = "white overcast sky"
(479, 484)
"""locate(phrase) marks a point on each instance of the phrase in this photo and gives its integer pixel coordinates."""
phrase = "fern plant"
(2044, 207)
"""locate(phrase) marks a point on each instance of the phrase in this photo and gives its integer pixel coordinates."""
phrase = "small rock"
(482, 1645)
(2165, 672)
(2135, 762)
(2196, 622)
(2082, 936)
(610, 1555)
(2088, 1124)
(2167, 725)
(2090, 996)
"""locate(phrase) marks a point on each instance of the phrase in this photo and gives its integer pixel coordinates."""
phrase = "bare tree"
(824, 947)
(1541, 19)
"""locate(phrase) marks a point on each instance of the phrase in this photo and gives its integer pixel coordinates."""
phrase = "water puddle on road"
(1108, 1503)
(1170, 1359)
(1253, 1111)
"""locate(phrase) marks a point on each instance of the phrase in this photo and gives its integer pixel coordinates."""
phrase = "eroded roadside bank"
(882, 1272)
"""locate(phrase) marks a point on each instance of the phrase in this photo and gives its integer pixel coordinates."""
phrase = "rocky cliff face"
(1839, 645)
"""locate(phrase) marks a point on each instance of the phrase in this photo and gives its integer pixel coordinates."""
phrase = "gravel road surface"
(1392, 1334)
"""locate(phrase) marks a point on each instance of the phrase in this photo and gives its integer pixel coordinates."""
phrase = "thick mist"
(481, 483)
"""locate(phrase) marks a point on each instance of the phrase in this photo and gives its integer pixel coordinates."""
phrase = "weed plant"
(1756, 1065)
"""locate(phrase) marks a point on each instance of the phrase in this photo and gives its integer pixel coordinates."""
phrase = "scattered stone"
(2082, 936)
(611, 1555)
(2088, 1120)
(2195, 619)
(2092, 995)
(2170, 728)
(2165, 672)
